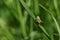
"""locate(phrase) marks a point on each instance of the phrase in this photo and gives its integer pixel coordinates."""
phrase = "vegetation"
(29, 19)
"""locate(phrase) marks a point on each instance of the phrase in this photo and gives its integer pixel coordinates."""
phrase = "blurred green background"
(18, 19)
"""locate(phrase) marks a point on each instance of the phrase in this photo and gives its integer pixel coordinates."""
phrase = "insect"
(38, 20)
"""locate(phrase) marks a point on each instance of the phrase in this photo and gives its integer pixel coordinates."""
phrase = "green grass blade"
(43, 30)
(57, 25)
(28, 10)
(56, 7)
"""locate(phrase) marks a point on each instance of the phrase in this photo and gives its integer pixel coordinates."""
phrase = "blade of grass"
(56, 7)
(57, 25)
(31, 27)
(43, 30)
(45, 37)
(28, 10)
(36, 7)
(28, 3)
(21, 20)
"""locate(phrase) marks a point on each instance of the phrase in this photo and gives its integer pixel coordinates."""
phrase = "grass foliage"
(18, 20)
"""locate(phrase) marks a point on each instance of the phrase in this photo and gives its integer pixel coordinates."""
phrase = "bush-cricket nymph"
(38, 20)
